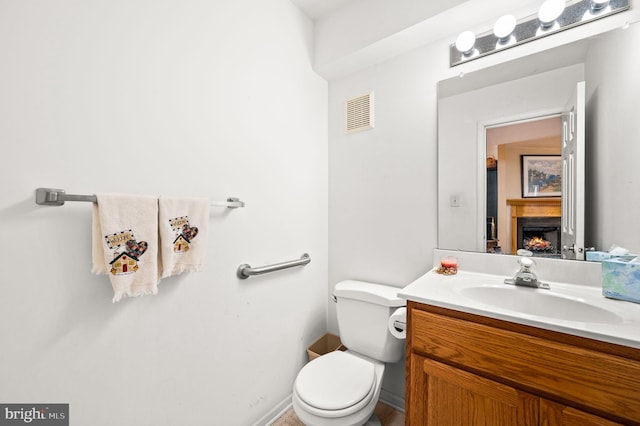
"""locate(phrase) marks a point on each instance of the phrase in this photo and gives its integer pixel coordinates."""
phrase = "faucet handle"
(525, 277)
(526, 262)
(524, 252)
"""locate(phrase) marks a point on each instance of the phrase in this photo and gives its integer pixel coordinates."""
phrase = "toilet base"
(373, 421)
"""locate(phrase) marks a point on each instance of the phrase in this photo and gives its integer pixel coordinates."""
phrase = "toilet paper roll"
(399, 315)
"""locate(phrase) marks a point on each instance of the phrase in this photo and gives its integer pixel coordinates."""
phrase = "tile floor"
(388, 416)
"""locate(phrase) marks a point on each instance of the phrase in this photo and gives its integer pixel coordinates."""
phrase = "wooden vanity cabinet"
(465, 369)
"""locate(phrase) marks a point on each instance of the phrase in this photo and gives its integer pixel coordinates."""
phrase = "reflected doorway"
(505, 145)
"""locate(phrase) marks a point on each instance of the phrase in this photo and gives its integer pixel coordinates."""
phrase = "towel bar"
(57, 197)
(245, 271)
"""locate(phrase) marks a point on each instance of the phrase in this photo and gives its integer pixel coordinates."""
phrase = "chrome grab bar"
(57, 197)
(245, 270)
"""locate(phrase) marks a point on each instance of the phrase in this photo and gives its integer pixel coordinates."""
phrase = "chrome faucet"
(525, 277)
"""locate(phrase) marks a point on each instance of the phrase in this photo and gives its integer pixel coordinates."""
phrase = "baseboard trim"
(392, 400)
(275, 413)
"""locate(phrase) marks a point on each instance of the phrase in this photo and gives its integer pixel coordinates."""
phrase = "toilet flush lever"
(400, 325)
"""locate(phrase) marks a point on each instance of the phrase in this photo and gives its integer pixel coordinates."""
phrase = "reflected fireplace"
(537, 220)
(540, 235)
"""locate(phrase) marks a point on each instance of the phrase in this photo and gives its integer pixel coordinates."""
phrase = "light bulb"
(599, 4)
(504, 27)
(465, 42)
(549, 11)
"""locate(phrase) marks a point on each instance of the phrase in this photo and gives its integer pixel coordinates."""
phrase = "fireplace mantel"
(531, 207)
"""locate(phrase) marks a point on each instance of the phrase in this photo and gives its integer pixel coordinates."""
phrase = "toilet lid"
(336, 381)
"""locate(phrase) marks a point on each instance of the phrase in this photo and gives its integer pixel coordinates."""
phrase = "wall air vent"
(359, 113)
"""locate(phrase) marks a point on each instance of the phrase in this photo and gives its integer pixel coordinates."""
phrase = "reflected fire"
(537, 244)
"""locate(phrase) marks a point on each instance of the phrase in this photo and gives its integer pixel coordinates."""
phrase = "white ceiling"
(522, 132)
(317, 9)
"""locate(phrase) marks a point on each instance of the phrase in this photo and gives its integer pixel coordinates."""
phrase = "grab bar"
(57, 197)
(245, 270)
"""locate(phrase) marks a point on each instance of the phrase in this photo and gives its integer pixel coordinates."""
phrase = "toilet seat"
(336, 384)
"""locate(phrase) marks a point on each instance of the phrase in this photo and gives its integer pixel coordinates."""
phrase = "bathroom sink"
(541, 303)
(574, 305)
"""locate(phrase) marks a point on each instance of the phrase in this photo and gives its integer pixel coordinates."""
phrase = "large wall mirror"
(509, 173)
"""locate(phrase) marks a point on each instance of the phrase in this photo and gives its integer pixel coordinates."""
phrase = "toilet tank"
(363, 311)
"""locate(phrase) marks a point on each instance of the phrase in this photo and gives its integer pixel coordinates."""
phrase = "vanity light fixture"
(552, 17)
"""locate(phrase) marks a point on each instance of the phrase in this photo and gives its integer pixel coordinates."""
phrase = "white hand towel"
(125, 243)
(183, 226)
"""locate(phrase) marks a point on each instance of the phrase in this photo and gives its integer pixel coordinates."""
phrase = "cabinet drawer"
(586, 378)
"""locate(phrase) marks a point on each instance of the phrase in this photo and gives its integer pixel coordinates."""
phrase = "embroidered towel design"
(125, 243)
(185, 233)
(125, 262)
(183, 229)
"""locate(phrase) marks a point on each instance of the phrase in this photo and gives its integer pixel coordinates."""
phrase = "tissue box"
(599, 256)
(621, 280)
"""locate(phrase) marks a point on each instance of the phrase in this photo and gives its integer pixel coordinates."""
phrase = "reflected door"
(573, 169)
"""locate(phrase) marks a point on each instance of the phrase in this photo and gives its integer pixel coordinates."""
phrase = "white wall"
(613, 198)
(375, 20)
(382, 206)
(193, 98)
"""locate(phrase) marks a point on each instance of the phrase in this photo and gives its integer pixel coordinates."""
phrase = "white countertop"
(449, 291)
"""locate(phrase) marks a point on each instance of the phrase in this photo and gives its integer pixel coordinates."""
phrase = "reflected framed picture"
(541, 176)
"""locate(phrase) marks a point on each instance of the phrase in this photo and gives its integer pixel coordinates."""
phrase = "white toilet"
(342, 388)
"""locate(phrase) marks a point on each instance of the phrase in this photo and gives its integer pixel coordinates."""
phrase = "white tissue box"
(621, 279)
(599, 256)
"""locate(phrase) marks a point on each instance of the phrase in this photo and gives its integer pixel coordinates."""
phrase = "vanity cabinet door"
(457, 397)
(553, 414)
